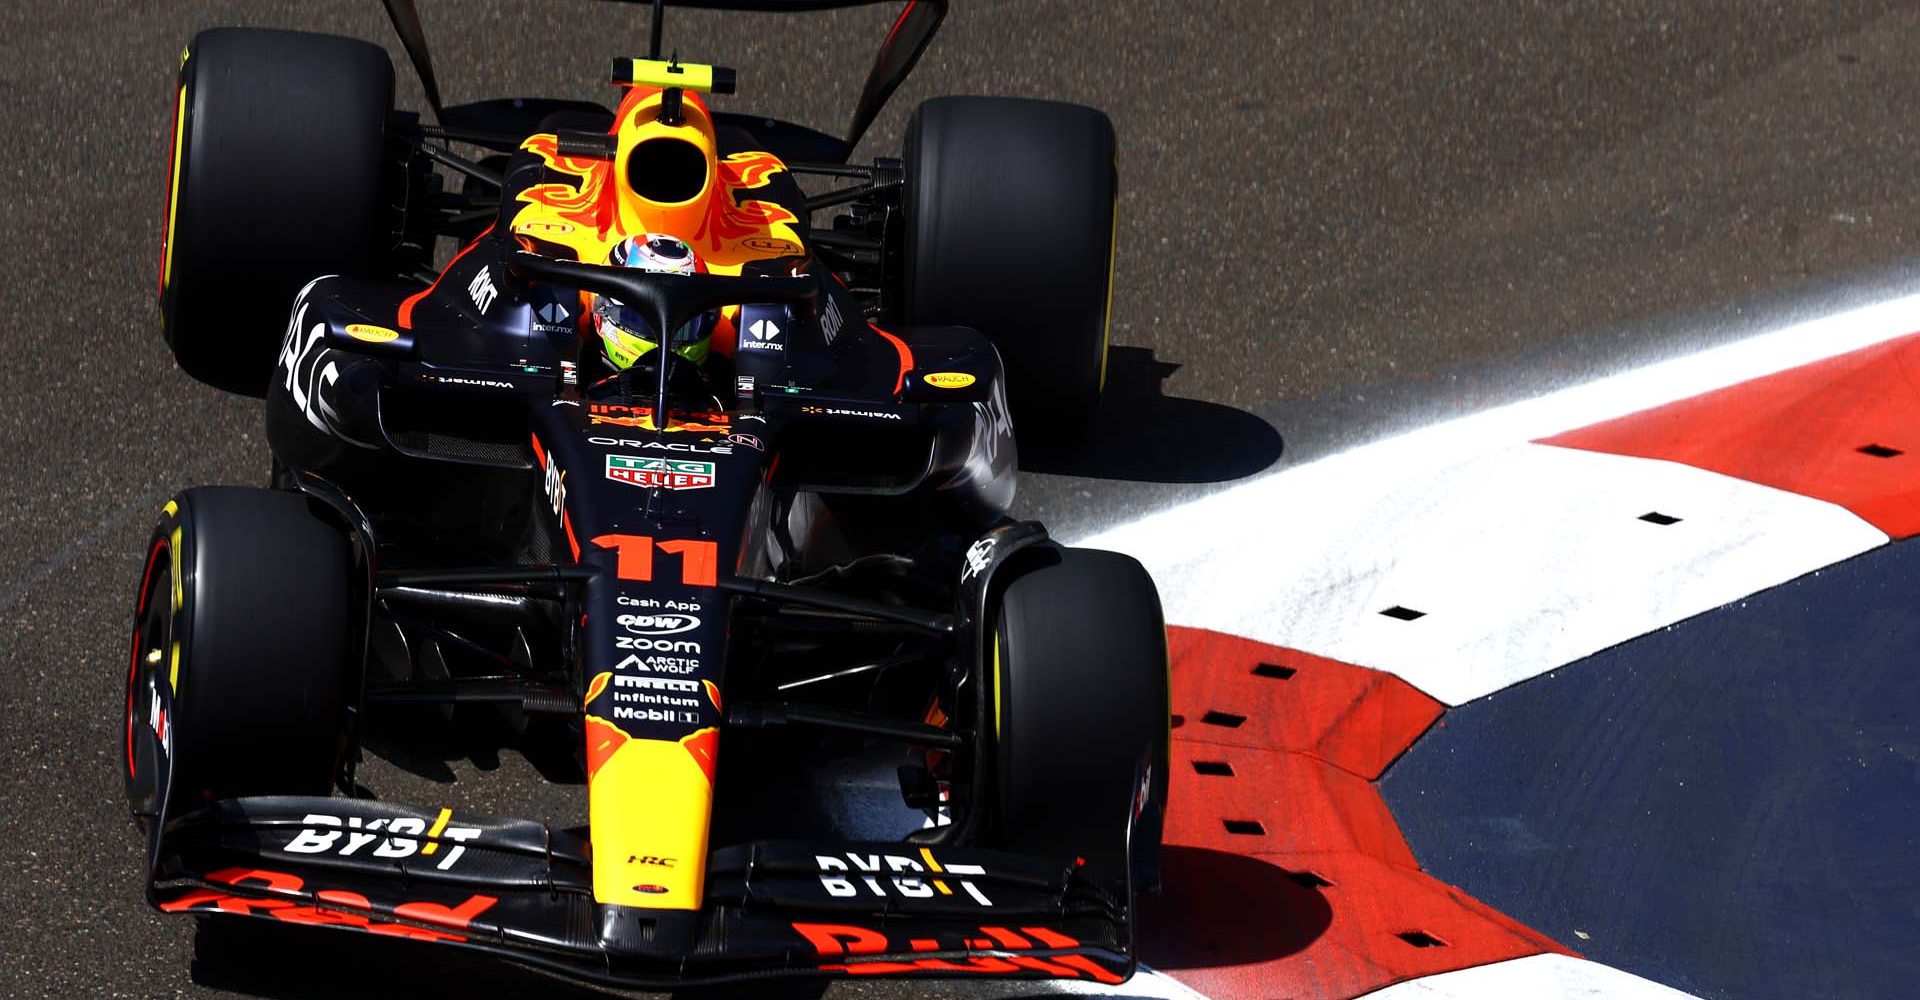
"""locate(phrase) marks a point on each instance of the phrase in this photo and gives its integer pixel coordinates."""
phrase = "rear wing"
(910, 35)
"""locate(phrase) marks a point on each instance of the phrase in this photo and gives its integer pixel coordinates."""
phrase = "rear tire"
(1010, 230)
(1080, 693)
(242, 643)
(277, 175)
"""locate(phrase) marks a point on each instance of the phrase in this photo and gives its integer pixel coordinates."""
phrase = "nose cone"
(665, 174)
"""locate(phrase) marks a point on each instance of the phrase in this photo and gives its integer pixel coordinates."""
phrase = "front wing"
(523, 891)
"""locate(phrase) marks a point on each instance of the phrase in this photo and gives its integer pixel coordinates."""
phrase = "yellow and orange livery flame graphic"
(594, 212)
(579, 206)
(597, 685)
(649, 803)
(603, 739)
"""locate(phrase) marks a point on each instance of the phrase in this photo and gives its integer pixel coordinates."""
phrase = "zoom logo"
(656, 645)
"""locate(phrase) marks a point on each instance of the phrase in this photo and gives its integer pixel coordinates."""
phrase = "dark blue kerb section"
(1730, 806)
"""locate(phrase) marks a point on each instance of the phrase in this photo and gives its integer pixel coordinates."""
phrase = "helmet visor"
(627, 336)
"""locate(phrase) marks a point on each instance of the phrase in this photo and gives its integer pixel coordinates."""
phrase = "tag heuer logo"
(659, 473)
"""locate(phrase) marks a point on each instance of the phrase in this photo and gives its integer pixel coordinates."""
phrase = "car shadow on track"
(1220, 910)
(1143, 435)
(431, 743)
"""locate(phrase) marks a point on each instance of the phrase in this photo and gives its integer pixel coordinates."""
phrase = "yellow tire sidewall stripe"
(173, 183)
(995, 681)
(1106, 319)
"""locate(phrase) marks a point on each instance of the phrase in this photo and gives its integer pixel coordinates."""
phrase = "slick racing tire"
(1078, 687)
(276, 178)
(1010, 230)
(242, 634)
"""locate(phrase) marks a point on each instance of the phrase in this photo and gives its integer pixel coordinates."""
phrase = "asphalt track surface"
(1337, 221)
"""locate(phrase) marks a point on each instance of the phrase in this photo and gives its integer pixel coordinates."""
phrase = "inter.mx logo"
(762, 335)
(659, 473)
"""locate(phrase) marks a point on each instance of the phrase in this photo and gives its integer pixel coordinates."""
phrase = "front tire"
(276, 178)
(241, 649)
(1079, 690)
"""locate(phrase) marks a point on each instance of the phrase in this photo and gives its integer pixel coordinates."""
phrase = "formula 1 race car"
(776, 526)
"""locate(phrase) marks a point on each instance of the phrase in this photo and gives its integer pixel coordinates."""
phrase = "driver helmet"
(627, 335)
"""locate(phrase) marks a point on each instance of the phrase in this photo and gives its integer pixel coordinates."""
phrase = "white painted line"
(1464, 515)
(1536, 977)
(1146, 984)
(1515, 562)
